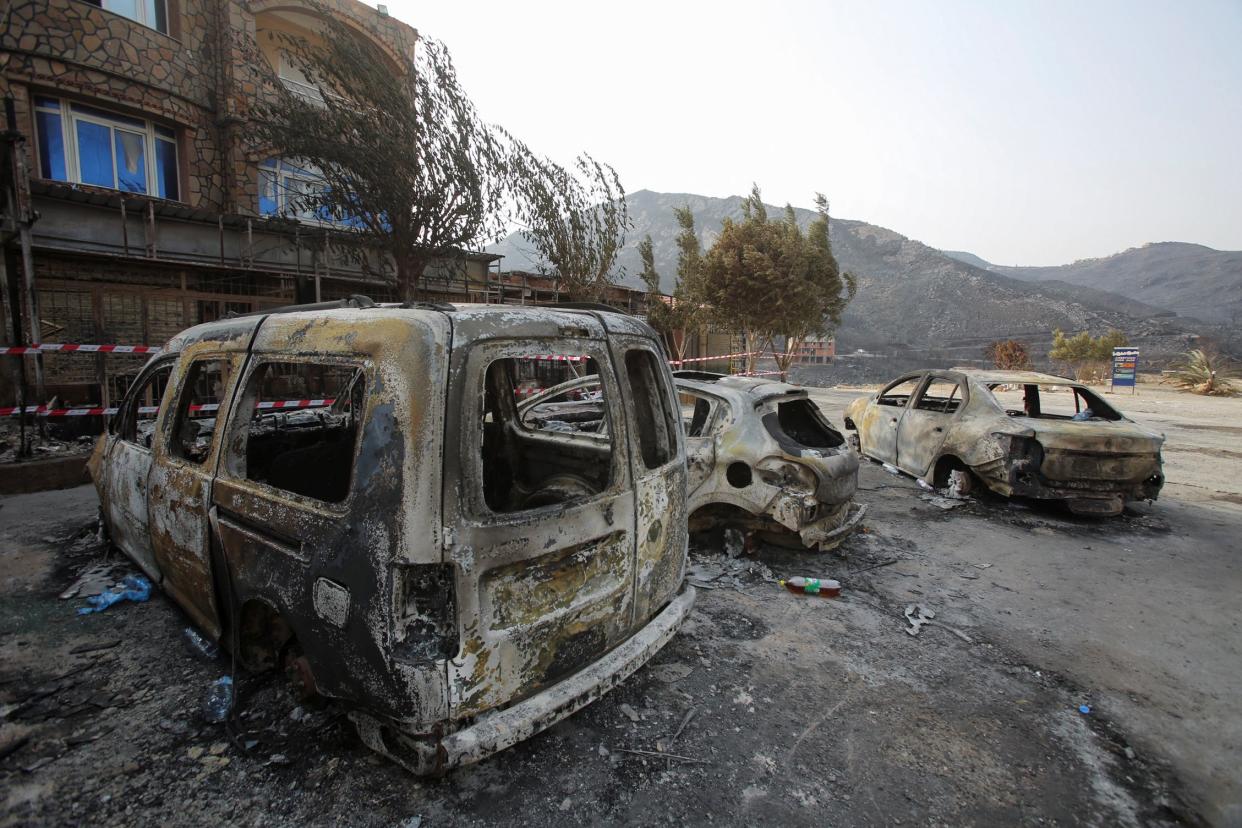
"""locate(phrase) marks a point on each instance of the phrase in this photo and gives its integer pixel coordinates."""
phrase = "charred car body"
(1016, 432)
(349, 492)
(762, 456)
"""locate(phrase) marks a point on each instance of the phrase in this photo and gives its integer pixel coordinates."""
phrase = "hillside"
(909, 294)
(1189, 279)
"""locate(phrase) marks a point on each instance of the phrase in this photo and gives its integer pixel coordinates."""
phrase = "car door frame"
(918, 425)
(126, 469)
(883, 424)
(179, 494)
(660, 517)
(488, 549)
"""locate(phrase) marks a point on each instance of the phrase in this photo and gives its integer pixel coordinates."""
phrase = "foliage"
(675, 315)
(1086, 356)
(1207, 371)
(404, 157)
(1009, 355)
(575, 220)
(767, 279)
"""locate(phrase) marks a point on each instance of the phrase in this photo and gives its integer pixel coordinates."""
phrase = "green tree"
(767, 279)
(405, 161)
(675, 315)
(1085, 356)
(576, 220)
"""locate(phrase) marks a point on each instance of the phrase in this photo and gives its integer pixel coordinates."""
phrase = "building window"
(86, 145)
(291, 189)
(151, 13)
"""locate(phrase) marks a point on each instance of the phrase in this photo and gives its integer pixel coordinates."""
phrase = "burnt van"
(346, 491)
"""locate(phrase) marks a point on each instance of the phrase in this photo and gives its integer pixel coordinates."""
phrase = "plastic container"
(219, 701)
(824, 588)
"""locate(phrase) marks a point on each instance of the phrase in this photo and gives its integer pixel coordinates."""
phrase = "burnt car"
(762, 456)
(1017, 433)
(347, 491)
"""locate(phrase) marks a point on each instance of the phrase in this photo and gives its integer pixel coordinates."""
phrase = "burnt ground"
(791, 709)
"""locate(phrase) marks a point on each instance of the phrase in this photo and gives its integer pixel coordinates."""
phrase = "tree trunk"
(410, 268)
(750, 341)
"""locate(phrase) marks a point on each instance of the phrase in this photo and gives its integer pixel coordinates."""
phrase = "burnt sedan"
(1017, 433)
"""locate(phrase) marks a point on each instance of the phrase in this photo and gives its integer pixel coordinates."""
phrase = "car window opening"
(899, 393)
(1046, 401)
(700, 411)
(309, 450)
(559, 450)
(195, 425)
(802, 422)
(653, 421)
(940, 396)
(137, 420)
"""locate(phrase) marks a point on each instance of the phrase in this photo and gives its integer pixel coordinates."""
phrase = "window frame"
(141, 19)
(665, 400)
(72, 112)
(232, 466)
(961, 394)
(479, 359)
(126, 417)
(185, 390)
(281, 172)
(917, 379)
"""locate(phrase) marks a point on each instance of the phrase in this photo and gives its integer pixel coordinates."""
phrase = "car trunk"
(1093, 451)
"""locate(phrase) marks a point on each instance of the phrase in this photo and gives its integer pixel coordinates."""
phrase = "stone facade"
(127, 268)
(200, 78)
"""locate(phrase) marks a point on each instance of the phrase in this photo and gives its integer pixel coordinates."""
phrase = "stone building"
(134, 193)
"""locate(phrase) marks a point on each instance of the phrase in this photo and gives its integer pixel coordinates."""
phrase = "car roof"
(998, 377)
(360, 311)
(756, 388)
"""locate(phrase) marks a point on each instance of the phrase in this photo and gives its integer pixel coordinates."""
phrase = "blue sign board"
(1125, 367)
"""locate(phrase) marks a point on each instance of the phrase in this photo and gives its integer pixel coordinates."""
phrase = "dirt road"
(790, 709)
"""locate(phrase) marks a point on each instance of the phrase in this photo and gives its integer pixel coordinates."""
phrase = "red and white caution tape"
(44, 411)
(714, 358)
(70, 347)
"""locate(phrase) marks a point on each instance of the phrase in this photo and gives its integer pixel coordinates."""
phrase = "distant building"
(817, 351)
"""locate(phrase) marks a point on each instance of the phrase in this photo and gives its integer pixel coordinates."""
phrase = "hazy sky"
(1024, 132)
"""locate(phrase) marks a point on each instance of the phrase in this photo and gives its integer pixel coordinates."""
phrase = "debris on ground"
(918, 616)
(219, 700)
(93, 581)
(199, 647)
(825, 588)
(134, 588)
(945, 503)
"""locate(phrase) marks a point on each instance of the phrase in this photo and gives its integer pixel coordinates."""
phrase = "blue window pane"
(136, 123)
(165, 132)
(269, 163)
(268, 203)
(51, 146)
(95, 154)
(131, 162)
(166, 169)
(53, 103)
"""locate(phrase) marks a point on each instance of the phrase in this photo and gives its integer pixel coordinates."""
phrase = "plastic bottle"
(219, 700)
(812, 586)
(199, 646)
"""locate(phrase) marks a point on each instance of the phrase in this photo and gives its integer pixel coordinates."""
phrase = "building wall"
(201, 78)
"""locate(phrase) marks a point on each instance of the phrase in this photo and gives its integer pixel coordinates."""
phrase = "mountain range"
(914, 296)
